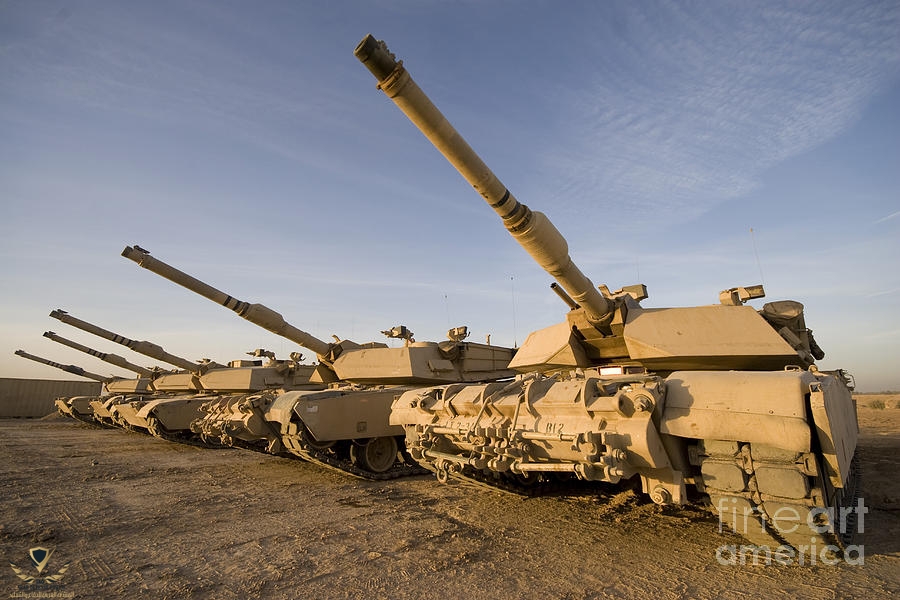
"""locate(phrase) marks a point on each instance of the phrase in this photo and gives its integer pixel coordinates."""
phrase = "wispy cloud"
(887, 218)
(695, 102)
(882, 293)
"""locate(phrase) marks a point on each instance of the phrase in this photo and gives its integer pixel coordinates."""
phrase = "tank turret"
(255, 375)
(601, 327)
(371, 363)
(723, 399)
(112, 359)
(67, 368)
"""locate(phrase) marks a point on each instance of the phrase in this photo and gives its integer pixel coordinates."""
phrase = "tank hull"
(345, 428)
(77, 407)
(755, 445)
(169, 418)
(124, 414)
(103, 408)
(720, 408)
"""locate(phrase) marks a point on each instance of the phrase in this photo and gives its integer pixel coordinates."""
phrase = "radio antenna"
(762, 279)
(512, 285)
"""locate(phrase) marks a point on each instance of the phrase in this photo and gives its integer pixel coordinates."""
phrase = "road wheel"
(376, 455)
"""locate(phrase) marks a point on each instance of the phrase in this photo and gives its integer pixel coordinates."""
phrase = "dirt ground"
(134, 516)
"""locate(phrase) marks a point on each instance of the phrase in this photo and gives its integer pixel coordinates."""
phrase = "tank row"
(335, 413)
(720, 405)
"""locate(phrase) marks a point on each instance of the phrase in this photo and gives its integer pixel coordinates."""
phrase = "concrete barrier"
(34, 397)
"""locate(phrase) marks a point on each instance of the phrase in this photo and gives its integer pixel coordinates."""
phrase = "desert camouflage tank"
(175, 414)
(174, 399)
(118, 390)
(234, 417)
(723, 401)
(345, 426)
(77, 407)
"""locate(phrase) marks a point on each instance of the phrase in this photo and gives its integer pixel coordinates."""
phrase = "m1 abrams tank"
(173, 400)
(117, 389)
(234, 418)
(345, 426)
(722, 401)
(77, 407)
(174, 415)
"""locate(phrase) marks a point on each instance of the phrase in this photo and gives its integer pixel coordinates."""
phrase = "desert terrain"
(135, 516)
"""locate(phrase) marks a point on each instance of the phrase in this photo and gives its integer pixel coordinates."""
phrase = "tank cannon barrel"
(67, 368)
(255, 313)
(533, 230)
(113, 359)
(146, 348)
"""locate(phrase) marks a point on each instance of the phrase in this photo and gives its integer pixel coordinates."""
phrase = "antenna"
(512, 284)
(447, 309)
(762, 279)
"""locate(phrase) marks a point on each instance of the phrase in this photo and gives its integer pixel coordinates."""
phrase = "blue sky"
(244, 144)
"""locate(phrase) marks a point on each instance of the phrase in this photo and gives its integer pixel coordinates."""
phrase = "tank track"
(764, 518)
(89, 419)
(499, 482)
(299, 443)
(259, 446)
(754, 506)
(104, 423)
(157, 430)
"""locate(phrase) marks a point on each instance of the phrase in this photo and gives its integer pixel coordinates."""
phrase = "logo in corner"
(39, 559)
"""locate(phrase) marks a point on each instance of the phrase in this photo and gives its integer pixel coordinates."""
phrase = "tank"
(174, 401)
(170, 405)
(236, 418)
(346, 426)
(182, 400)
(229, 386)
(177, 416)
(118, 389)
(722, 403)
(77, 407)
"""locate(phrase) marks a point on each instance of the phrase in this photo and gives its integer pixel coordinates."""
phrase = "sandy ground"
(134, 516)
